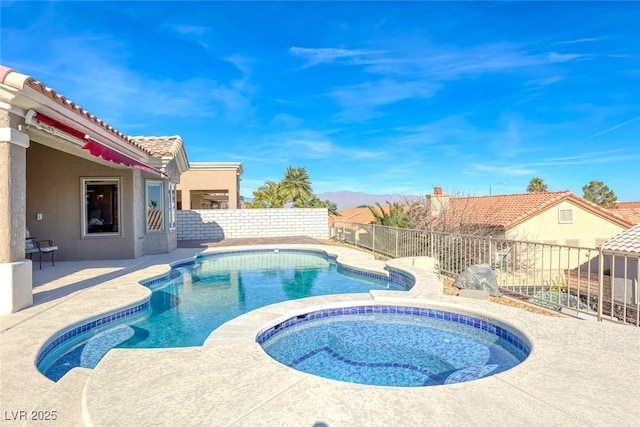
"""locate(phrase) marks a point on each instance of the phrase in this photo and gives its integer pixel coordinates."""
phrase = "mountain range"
(351, 199)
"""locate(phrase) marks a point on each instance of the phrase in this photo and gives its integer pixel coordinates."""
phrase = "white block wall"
(218, 224)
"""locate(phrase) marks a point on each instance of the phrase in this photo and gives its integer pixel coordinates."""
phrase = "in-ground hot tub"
(390, 345)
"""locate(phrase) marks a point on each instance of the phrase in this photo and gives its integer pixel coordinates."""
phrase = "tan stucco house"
(558, 217)
(208, 185)
(70, 177)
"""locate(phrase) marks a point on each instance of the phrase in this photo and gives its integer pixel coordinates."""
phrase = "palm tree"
(307, 201)
(269, 195)
(331, 207)
(537, 185)
(395, 216)
(296, 183)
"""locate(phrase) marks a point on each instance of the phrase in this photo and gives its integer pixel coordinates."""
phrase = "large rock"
(478, 276)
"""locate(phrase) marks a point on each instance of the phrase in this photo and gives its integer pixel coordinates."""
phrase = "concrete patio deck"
(578, 373)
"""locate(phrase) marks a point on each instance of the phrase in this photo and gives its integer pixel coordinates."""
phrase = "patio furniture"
(41, 247)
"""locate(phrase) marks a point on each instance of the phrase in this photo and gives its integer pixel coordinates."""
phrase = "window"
(172, 206)
(572, 242)
(565, 216)
(101, 208)
(155, 206)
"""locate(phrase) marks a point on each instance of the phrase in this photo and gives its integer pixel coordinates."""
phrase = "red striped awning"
(97, 148)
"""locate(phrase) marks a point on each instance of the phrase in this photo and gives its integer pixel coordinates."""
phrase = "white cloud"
(191, 33)
(93, 71)
(440, 63)
(186, 29)
(302, 145)
(504, 169)
(286, 120)
(566, 57)
(327, 55)
(360, 102)
(581, 40)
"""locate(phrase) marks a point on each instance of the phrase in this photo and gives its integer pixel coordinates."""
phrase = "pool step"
(62, 403)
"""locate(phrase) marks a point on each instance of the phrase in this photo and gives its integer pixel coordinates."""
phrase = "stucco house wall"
(587, 228)
(210, 177)
(54, 190)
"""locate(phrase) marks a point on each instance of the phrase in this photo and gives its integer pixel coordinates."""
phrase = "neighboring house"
(629, 210)
(70, 177)
(551, 218)
(560, 217)
(621, 260)
(210, 186)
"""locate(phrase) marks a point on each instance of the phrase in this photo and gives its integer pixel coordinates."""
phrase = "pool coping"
(92, 395)
(394, 271)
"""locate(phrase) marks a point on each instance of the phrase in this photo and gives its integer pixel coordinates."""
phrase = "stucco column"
(15, 271)
(186, 199)
(233, 195)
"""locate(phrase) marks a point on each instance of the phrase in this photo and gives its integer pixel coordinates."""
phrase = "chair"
(33, 246)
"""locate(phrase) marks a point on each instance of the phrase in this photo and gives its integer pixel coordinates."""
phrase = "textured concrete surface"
(578, 373)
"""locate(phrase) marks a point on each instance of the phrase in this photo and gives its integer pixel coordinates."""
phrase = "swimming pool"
(394, 345)
(199, 295)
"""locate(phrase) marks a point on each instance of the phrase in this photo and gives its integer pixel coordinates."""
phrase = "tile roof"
(628, 205)
(506, 210)
(357, 215)
(627, 241)
(160, 145)
(510, 210)
(631, 214)
(19, 81)
(629, 210)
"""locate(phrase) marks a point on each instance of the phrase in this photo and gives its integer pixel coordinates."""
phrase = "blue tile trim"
(513, 338)
(402, 278)
(271, 250)
(184, 264)
(362, 273)
(89, 326)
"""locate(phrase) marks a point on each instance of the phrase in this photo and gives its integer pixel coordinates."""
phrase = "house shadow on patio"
(68, 277)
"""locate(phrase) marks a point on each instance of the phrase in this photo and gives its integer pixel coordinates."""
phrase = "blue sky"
(373, 97)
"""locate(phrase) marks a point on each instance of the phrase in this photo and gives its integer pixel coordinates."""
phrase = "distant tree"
(269, 195)
(600, 194)
(296, 183)
(537, 185)
(295, 187)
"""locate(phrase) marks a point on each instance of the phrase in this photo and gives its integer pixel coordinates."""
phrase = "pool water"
(415, 348)
(187, 307)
